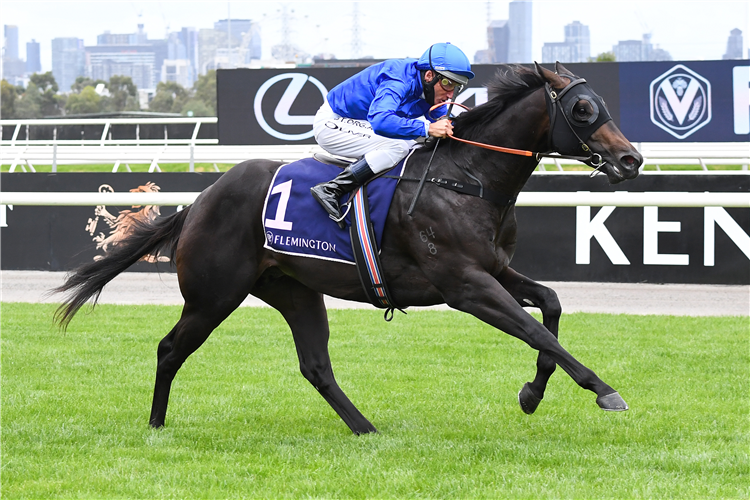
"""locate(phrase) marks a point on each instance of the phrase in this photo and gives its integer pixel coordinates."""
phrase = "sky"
(688, 30)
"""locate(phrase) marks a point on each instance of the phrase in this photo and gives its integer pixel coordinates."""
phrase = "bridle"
(560, 137)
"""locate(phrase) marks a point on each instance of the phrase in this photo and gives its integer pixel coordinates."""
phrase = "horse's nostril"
(628, 161)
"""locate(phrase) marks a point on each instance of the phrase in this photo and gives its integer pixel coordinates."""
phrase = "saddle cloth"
(295, 224)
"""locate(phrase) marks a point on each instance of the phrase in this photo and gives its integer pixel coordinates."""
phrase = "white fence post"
(54, 150)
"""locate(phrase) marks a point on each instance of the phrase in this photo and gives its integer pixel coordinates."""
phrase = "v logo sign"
(680, 117)
(680, 106)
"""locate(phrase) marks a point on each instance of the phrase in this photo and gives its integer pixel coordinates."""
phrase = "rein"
(519, 152)
(554, 107)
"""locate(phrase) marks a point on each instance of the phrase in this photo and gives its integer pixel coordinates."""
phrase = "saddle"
(295, 224)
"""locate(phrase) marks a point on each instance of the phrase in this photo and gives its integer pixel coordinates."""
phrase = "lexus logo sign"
(281, 113)
(680, 101)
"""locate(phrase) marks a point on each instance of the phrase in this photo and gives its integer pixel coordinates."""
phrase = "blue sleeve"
(382, 113)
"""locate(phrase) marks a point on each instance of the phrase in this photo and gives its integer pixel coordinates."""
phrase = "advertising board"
(656, 245)
(695, 101)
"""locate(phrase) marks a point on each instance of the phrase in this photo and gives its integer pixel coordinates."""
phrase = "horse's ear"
(562, 70)
(549, 76)
(539, 70)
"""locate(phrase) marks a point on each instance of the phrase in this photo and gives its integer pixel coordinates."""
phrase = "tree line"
(40, 98)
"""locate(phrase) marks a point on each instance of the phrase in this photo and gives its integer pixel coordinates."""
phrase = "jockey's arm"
(384, 120)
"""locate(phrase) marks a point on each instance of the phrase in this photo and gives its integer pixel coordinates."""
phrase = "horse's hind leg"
(202, 313)
(530, 293)
(305, 312)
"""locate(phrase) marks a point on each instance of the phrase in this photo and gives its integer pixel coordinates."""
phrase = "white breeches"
(354, 138)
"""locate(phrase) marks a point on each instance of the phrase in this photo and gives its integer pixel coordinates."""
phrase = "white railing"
(660, 154)
(26, 157)
(105, 139)
(525, 199)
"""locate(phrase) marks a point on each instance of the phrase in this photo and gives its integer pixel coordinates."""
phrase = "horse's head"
(580, 124)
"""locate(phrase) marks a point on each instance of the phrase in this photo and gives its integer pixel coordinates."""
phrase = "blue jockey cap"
(447, 60)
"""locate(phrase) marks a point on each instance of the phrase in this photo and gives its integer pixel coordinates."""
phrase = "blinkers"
(582, 110)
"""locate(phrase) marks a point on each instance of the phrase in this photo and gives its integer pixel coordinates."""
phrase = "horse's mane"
(508, 85)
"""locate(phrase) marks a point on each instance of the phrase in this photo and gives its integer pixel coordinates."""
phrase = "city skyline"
(689, 30)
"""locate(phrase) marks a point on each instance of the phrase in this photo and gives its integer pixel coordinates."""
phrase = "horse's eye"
(582, 110)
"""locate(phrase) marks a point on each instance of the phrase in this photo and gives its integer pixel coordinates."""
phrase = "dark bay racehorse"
(217, 243)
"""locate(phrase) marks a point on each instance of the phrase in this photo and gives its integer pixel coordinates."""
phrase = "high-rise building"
(575, 48)
(498, 39)
(189, 39)
(108, 38)
(68, 61)
(639, 50)
(519, 21)
(235, 28)
(177, 70)
(13, 67)
(628, 50)
(136, 61)
(10, 42)
(577, 35)
(134, 55)
(557, 51)
(209, 43)
(252, 43)
(216, 51)
(33, 57)
(734, 45)
(245, 37)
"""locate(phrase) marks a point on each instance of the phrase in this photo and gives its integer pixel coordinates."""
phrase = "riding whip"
(427, 169)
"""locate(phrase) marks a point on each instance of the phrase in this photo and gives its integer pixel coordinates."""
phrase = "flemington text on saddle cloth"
(295, 224)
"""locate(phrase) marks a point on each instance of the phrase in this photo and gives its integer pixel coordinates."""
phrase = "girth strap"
(461, 187)
(366, 255)
(474, 190)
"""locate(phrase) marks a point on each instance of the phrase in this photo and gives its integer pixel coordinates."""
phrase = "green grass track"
(439, 385)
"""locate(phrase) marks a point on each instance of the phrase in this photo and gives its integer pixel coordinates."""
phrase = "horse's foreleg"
(305, 312)
(530, 293)
(479, 294)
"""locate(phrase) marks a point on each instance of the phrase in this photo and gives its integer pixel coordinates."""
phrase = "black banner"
(656, 245)
(633, 245)
(272, 106)
(61, 238)
(703, 101)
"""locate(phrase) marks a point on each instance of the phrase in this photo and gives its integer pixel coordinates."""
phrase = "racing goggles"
(447, 84)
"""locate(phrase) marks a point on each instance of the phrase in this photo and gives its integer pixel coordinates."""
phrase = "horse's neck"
(524, 125)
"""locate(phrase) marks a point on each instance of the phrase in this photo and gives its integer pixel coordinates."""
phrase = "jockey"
(377, 114)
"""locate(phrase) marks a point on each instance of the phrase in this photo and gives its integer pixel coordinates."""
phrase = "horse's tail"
(88, 280)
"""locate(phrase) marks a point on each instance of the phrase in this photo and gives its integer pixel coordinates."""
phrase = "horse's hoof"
(368, 430)
(527, 400)
(612, 402)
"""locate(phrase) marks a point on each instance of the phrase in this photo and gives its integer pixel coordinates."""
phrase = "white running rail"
(525, 199)
(18, 125)
(26, 157)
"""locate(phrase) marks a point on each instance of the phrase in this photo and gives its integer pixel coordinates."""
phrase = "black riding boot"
(329, 193)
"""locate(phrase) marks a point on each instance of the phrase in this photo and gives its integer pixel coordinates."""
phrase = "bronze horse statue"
(220, 259)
